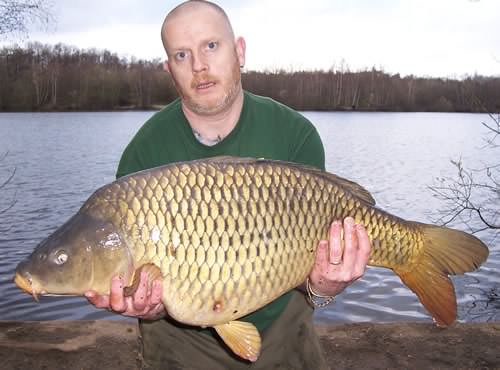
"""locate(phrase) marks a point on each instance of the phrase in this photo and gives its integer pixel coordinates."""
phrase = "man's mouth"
(204, 85)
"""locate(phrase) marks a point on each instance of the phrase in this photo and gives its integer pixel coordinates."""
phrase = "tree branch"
(467, 199)
(17, 15)
(4, 184)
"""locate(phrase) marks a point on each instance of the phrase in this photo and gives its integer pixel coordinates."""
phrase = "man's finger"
(335, 243)
(321, 254)
(350, 244)
(141, 294)
(364, 250)
(116, 298)
(156, 292)
(100, 301)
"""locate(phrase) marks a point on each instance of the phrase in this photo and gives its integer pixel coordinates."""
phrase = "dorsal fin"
(350, 186)
(230, 159)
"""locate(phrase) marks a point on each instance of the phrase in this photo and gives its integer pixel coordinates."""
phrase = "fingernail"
(349, 221)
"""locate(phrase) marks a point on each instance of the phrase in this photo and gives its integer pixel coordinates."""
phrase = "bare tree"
(473, 196)
(4, 183)
(17, 15)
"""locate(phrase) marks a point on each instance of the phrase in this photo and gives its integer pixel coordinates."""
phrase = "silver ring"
(335, 263)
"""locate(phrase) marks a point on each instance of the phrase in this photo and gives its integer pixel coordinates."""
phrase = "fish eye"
(61, 258)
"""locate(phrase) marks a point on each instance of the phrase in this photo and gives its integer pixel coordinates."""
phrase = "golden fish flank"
(229, 235)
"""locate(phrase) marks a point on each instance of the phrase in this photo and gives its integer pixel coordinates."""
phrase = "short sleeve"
(130, 161)
(309, 148)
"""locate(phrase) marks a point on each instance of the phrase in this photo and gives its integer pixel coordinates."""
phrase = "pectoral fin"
(153, 272)
(242, 338)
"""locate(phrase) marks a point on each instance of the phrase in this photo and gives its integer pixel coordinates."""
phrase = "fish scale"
(229, 235)
(257, 189)
(211, 226)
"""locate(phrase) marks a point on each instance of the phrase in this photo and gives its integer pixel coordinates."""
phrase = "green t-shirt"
(265, 129)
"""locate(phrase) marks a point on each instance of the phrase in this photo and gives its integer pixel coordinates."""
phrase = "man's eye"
(212, 45)
(181, 55)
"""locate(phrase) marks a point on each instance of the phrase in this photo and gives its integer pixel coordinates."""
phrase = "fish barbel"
(229, 235)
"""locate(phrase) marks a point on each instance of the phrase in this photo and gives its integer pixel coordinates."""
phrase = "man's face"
(204, 60)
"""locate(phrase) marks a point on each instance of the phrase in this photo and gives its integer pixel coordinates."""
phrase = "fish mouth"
(26, 283)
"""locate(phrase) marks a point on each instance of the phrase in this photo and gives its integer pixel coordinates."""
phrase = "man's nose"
(199, 63)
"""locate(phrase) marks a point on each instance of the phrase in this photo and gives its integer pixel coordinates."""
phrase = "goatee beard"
(223, 103)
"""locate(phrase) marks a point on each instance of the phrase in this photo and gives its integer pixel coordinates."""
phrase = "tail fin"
(446, 252)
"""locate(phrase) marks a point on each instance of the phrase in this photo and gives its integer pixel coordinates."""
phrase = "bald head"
(203, 57)
(190, 9)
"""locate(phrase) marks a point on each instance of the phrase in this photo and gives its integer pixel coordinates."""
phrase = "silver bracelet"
(313, 296)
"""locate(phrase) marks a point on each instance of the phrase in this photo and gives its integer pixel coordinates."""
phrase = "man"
(215, 116)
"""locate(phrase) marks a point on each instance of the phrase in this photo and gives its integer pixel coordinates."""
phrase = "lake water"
(61, 158)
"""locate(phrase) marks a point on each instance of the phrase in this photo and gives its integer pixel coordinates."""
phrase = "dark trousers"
(289, 343)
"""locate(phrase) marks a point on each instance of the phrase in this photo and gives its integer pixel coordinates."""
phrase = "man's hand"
(145, 303)
(342, 259)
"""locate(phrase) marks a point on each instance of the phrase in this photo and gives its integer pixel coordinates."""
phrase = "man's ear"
(241, 47)
(166, 66)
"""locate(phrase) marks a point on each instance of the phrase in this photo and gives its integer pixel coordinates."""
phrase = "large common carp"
(229, 235)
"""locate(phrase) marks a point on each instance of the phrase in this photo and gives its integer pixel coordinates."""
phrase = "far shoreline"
(155, 108)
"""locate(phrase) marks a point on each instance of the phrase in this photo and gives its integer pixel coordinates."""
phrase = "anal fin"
(153, 272)
(242, 338)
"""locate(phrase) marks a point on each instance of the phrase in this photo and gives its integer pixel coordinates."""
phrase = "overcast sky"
(441, 38)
